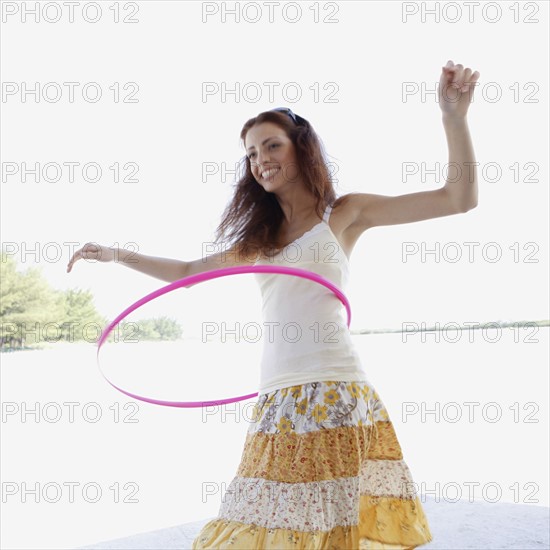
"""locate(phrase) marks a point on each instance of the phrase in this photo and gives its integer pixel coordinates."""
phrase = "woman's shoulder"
(343, 210)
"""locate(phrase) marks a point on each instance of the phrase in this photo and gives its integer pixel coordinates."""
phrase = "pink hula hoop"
(199, 278)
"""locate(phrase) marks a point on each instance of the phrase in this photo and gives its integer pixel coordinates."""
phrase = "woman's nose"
(263, 161)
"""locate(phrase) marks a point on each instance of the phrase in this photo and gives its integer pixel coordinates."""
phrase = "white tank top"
(306, 337)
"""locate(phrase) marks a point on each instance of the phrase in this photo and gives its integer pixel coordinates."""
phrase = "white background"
(370, 130)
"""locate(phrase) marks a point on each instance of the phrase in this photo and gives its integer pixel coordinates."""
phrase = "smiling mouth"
(270, 174)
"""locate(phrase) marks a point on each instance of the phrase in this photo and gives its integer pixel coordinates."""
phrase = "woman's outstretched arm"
(165, 269)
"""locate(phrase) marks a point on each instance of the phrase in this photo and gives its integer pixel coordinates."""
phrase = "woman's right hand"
(92, 251)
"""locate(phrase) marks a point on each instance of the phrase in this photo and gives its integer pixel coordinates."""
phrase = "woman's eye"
(272, 145)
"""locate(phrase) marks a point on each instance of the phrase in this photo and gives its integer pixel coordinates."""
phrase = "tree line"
(32, 313)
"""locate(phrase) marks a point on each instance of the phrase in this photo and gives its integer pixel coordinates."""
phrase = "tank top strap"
(326, 215)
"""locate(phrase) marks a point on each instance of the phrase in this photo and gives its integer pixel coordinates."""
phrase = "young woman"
(321, 466)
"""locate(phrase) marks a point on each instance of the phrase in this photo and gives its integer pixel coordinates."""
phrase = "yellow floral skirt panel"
(321, 469)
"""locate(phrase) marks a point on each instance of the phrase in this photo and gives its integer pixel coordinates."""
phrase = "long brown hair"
(252, 219)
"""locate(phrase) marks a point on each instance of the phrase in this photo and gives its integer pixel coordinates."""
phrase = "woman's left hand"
(456, 89)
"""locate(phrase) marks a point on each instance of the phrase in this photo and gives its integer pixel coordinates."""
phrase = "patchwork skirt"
(321, 468)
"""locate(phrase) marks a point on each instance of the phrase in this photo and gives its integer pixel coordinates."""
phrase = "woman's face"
(272, 156)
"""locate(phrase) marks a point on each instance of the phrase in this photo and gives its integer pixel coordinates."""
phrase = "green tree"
(81, 321)
(32, 312)
(27, 304)
(160, 328)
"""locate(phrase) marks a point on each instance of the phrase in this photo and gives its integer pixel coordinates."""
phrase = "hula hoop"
(199, 278)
